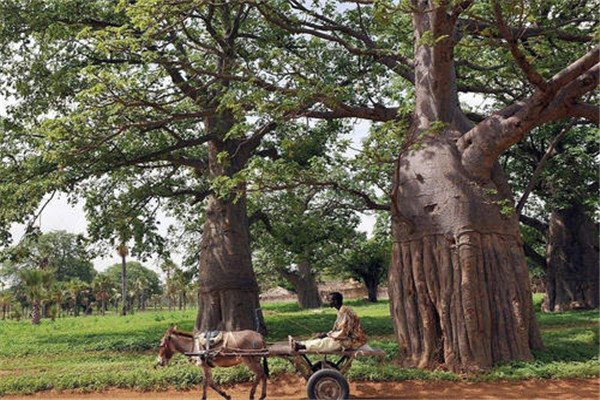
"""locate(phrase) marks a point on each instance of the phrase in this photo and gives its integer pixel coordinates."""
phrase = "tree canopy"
(136, 273)
(64, 254)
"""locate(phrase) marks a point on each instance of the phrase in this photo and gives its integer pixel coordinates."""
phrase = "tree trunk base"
(465, 302)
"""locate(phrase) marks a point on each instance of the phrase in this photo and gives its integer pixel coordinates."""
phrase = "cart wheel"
(327, 384)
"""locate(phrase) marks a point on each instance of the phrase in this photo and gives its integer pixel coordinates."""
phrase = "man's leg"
(325, 344)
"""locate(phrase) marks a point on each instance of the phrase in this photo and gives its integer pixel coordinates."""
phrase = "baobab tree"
(458, 281)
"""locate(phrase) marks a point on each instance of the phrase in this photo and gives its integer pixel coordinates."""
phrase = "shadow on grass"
(570, 318)
(576, 344)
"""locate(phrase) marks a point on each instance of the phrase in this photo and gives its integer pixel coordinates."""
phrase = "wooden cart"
(325, 377)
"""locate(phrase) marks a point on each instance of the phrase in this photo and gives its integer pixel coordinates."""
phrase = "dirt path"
(291, 387)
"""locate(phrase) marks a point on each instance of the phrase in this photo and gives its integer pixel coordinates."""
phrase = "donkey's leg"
(205, 374)
(215, 387)
(253, 364)
(263, 394)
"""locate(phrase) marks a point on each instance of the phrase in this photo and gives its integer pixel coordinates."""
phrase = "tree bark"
(372, 286)
(572, 260)
(35, 313)
(123, 253)
(458, 282)
(305, 284)
(228, 291)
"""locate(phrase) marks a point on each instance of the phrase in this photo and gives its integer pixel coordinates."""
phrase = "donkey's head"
(165, 350)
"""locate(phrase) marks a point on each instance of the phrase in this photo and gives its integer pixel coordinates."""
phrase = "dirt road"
(291, 387)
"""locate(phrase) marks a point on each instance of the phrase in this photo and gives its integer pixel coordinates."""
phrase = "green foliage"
(63, 253)
(367, 260)
(36, 282)
(136, 272)
(97, 353)
(306, 225)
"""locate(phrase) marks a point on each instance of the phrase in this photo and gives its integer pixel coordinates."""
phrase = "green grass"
(94, 353)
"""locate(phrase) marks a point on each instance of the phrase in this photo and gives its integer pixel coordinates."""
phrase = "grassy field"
(94, 353)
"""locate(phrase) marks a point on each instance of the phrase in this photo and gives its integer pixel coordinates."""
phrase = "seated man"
(347, 333)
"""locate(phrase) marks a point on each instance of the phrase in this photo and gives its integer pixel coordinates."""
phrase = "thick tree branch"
(542, 227)
(166, 155)
(478, 27)
(248, 146)
(340, 110)
(481, 146)
(590, 112)
(532, 75)
(535, 256)
(92, 23)
(576, 69)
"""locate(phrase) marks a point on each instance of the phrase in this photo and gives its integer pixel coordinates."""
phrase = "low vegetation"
(95, 353)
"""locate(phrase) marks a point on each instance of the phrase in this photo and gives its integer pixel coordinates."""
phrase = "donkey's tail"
(266, 366)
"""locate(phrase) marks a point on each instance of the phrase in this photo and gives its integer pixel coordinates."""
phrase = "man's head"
(336, 300)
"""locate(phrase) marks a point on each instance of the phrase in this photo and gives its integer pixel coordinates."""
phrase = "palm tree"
(131, 294)
(102, 285)
(123, 252)
(85, 298)
(74, 287)
(35, 281)
(139, 289)
(156, 300)
(58, 294)
(181, 280)
(116, 298)
(171, 293)
(5, 302)
(168, 267)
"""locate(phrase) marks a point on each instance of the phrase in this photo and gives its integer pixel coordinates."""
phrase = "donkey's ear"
(172, 327)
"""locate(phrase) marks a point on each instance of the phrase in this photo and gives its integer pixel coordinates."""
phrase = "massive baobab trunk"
(458, 282)
(228, 292)
(572, 260)
(459, 286)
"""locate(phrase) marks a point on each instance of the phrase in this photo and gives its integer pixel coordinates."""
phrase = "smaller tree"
(368, 261)
(560, 230)
(63, 253)
(6, 299)
(74, 288)
(149, 281)
(35, 283)
(156, 301)
(169, 267)
(303, 232)
(58, 293)
(102, 285)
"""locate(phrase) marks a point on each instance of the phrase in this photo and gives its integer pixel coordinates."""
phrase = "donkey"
(238, 342)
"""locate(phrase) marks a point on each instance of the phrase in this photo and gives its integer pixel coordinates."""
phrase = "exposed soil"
(291, 387)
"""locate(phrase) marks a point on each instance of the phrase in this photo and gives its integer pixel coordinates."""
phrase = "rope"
(295, 323)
